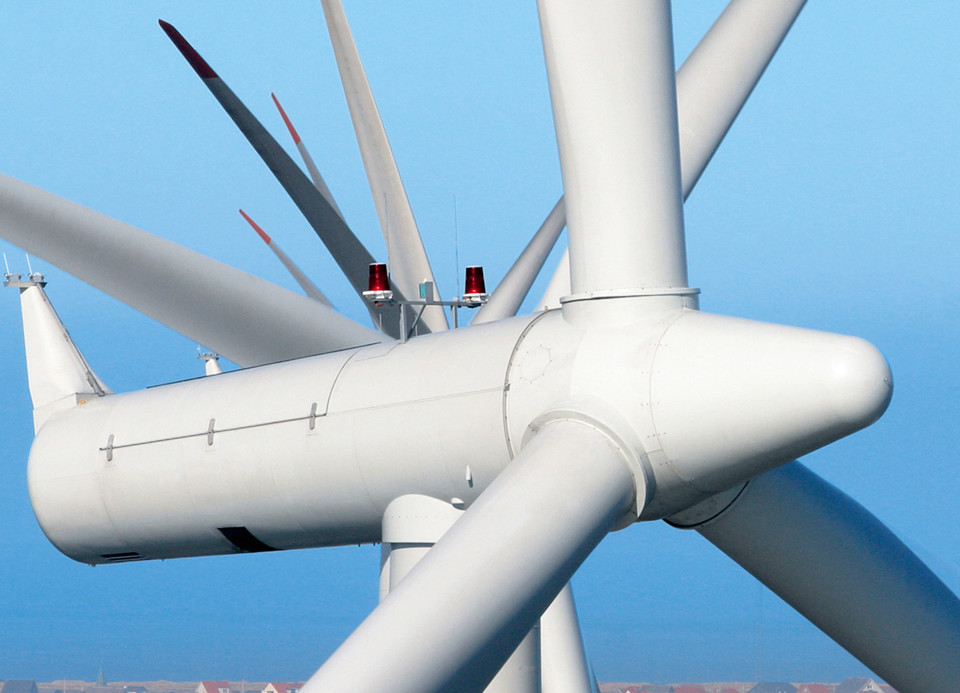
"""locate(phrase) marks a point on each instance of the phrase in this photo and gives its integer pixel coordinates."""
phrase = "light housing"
(474, 289)
(378, 284)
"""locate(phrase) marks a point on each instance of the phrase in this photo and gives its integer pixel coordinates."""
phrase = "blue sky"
(832, 205)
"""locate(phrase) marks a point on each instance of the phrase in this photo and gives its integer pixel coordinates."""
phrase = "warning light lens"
(378, 280)
(474, 282)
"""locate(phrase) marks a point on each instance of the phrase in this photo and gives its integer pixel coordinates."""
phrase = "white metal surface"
(561, 496)
(839, 566)
(564, 667)
(412, 524)
(730, 399)
(246, 319)
(57, 374)
(713, 84)
(409, 265)
(612, 85)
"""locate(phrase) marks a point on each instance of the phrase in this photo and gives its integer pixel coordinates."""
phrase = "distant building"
(814, 688)
(769, 687)
(213, 687)
(860, 686)
(19, 686)
(278, 687)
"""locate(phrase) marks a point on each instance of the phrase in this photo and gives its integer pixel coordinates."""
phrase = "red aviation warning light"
(474, 290)
(378, 284)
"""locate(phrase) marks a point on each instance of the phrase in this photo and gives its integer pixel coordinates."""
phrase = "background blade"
(838, 565)
(245, 318)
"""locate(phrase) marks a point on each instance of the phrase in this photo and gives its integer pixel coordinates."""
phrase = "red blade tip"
(199, 65)
(286, 120)
(260, 232)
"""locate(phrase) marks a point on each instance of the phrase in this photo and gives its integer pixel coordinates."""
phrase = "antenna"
(6, 265)
(456, 242)
(456, 255)
(29, 268)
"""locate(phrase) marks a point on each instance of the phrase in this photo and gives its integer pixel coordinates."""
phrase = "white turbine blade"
(312, 169)
(245, 318)
(481, 588)
(838, 565)
(309, 288)
(718, 76)
(409, 265)
(563, 666)
(612, 85)
(347, 250)
(510, 292)
(559, 285)
(713, 84)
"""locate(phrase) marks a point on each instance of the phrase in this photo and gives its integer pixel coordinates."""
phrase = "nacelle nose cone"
(859, 381)
(733, 398)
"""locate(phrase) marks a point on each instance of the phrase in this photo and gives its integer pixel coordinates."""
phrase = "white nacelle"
(311, 452)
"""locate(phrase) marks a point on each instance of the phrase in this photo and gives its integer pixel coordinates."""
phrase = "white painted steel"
(612, 85)
(505, 300)
(727, 399)
(561, 495)
(521, 672)
(409, 265)
(751, 390)
(713, 84)
(839, 566)
(718, 76)
(412, 524)
(246, 319)
(304, 453)
(57, 374)
(563, 665)
(211, 364)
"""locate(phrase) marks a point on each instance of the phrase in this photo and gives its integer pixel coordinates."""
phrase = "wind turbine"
(530, 438)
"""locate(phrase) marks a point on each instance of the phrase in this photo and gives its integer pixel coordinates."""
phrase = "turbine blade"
(559, 285)
(717, 78)
(713, 84)
(563, 666)
(312, 169)
(510, 292)
(613, 90)
(309, 288)
(838, 565)
(347, 250)
(246, 319)
(409, 265)
(481, 588)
